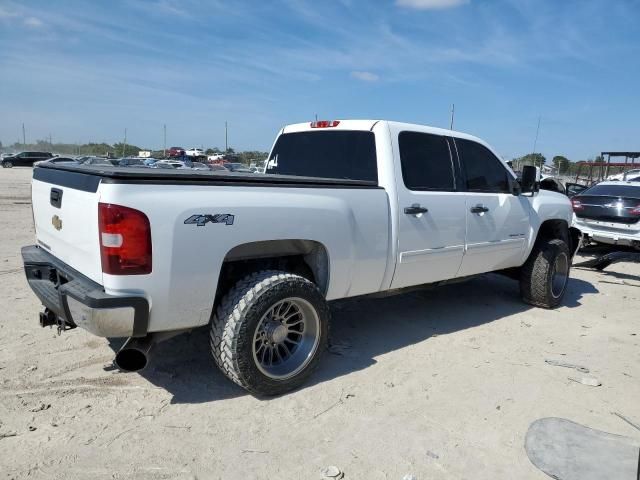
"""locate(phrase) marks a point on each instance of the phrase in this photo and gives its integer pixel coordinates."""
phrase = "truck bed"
(349, 220)
(90, 175)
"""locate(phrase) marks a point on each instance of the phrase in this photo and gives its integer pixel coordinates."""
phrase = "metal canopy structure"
(593, 172)
(626, 155)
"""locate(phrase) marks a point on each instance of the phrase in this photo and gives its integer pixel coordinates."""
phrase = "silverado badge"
(56, 222)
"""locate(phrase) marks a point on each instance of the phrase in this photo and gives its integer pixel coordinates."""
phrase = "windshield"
(613, 191)
(341, 154)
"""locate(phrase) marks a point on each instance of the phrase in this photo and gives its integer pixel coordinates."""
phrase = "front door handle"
(479, 209)
(415, 210)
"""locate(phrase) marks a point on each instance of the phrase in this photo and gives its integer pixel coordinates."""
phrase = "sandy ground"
(437, 383)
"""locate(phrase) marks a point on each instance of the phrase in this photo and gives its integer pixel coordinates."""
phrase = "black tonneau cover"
(87, 177)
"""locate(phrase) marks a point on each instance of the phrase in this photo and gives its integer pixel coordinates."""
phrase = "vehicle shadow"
(594, 251)
(372, 327)
(362, 329)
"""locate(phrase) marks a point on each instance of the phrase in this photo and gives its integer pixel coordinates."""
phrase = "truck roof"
(355, 124)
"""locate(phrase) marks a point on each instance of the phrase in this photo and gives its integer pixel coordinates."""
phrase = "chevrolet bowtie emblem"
(56, 222)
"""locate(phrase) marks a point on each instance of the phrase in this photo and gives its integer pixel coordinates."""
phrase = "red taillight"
(125, 240)
(325, 123)
(635, 211)
(576, 205)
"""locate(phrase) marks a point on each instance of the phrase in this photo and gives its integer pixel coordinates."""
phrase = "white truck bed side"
(351, 223)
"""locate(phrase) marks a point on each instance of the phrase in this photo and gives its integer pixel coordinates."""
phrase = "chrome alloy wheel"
(286, 338)
(559, 275)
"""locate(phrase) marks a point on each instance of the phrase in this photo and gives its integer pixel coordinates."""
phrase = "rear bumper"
(80, 301)
(609, 233)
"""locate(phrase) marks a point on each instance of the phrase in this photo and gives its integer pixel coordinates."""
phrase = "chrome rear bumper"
(78, 301)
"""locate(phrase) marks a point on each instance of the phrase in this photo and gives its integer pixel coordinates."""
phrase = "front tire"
(7, 164)
(545, 275)
(269, 332)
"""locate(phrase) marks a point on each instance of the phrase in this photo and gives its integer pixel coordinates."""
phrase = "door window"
(483, 171)
(426, 161)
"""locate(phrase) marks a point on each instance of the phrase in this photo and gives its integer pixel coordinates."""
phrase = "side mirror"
(574, 189)
(530, 181)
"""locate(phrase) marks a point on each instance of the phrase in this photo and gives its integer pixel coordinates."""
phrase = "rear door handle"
(479, 209)
(415, 210)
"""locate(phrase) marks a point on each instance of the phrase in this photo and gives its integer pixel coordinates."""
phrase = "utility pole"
(124, 145)
(535, 143)
(50, 142)
(226, 137)
(453, 112)
(165, 139)
(24, 138)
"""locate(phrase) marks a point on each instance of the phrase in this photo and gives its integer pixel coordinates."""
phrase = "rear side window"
(342, 154)
(483, 171)
(613, 191)
(426, 161)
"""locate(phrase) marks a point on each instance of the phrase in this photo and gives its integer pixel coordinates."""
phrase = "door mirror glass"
(530, 181)
(575, 189)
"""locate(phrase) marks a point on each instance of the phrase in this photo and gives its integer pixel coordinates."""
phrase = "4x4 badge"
(56, 222)
(203, 218)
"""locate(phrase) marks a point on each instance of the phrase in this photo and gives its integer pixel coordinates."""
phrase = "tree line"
(562, 164)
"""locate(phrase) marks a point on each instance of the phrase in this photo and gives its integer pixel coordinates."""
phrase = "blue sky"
(85, 70)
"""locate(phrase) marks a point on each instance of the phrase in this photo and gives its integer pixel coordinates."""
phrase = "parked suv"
(175, 152)
(25, 159)
(195, 152)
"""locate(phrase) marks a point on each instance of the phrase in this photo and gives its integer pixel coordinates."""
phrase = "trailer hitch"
(48, 318)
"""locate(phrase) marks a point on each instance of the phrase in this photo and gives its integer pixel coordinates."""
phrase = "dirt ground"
(440, 384)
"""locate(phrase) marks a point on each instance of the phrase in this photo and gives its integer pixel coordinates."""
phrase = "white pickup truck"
(345, 208)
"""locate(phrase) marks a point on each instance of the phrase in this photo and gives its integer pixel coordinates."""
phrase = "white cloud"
(7, 13)
(365, 76)
(430, 4)
(33, 22)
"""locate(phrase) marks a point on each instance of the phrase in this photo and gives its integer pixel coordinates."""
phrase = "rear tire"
(545, 275)
(269, 332)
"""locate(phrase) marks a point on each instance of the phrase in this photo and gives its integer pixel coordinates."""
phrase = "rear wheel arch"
(307, 258)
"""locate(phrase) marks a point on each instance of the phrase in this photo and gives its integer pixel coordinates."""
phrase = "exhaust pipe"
(135, 354)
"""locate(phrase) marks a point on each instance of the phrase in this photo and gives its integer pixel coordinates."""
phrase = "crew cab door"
(497, 220)
(431, 220)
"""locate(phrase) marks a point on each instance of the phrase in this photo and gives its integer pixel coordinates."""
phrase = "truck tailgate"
(65, 213)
